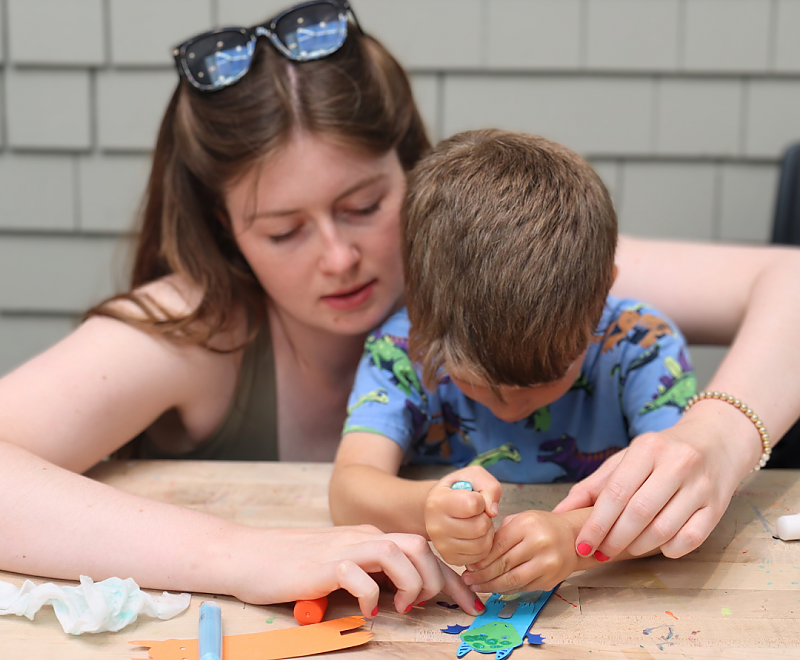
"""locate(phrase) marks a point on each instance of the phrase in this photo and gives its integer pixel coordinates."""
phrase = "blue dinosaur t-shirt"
(636, 377)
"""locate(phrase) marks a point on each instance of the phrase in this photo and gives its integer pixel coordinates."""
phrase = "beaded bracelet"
(766, 448)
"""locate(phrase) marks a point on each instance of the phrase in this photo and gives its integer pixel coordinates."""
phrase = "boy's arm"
(365, 487)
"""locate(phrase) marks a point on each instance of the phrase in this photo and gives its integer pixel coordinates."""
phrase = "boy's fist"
(459, 522)
(531, 550)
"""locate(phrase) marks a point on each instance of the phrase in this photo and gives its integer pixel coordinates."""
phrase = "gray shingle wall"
(683, 106)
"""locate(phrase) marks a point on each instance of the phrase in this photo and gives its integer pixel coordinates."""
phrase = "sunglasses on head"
(309, 31)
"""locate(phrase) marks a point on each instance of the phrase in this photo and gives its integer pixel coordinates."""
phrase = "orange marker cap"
(310, 611)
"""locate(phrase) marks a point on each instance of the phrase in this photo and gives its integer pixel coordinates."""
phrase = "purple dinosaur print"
(669, 381)
(577, 465)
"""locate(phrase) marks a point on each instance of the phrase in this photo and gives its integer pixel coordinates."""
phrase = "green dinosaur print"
(494, 636)
(378, 396)
(540, 419)
(506, 452)
(387, 355)
(678, 393)
(360, 429)
(582, 383)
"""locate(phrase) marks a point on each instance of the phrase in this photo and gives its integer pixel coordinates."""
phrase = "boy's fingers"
(524, 575)
(507, 520)
(518, 570)
(489, 488)
(482, 482)
(505, 538)
(467, 529)
(456, 504)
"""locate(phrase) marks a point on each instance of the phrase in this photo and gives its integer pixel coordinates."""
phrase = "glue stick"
(209, 640)
(789, 527)
(310, 611)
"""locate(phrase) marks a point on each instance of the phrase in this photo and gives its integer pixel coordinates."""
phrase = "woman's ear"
(225, 221)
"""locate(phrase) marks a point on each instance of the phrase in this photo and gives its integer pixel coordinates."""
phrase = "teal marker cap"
(461, 485)
(209, 639)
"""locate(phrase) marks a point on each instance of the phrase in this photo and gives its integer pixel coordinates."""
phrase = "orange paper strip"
(269, 645)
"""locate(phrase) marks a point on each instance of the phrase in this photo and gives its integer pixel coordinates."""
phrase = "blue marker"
(461, 485)
(210, 637)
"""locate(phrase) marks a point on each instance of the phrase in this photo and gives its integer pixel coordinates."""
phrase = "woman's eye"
(367, 210)
(285, 236)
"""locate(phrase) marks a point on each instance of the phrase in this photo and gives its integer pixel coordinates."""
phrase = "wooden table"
(738, 596)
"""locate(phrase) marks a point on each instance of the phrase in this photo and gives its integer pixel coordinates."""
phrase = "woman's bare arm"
(748, 297)
(65, 410)
(670, 489)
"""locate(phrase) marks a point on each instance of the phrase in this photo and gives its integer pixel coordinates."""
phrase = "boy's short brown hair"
(508, 250)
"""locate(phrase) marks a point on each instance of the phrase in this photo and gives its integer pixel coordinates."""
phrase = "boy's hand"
(532, 550)
(459, 522)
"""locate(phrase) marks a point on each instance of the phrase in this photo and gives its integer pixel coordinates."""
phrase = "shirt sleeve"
(387, 396)
(656, 374)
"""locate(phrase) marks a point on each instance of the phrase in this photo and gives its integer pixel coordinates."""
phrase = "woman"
(268, 250)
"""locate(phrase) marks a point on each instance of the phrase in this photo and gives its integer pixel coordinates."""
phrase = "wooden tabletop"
(736, 597)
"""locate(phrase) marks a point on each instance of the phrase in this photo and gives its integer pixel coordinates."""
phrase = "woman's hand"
(667, 490)
(304, 564)
(532, 550)
(459, 522)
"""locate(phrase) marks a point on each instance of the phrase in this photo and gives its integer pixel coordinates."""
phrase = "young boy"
(512, 358)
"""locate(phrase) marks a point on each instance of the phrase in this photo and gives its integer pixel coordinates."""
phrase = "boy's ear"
(614, 275)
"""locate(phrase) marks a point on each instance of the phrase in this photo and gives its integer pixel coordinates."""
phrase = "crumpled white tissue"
(92, 607)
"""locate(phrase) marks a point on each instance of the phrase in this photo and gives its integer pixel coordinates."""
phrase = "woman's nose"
(339, 254)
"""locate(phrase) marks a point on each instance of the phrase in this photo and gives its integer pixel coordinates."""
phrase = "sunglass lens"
(312, 32)
(217, 60)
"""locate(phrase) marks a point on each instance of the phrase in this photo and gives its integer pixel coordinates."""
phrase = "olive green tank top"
(249, 431)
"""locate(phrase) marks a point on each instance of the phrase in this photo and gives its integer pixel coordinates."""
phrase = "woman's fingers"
(461, 593)
(436, 575)
(348, 575)
(632, 471)
(585, 492)
(386, 555)
(693, 533)
(427, 566)
(640, 513)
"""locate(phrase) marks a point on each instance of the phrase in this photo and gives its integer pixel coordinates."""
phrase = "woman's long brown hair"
(359, 97)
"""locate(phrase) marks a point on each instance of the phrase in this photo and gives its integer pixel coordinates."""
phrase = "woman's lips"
(352, 298)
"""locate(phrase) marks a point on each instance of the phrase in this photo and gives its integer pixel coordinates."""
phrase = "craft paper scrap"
(270, 645)
(92, 607)
(500, 630)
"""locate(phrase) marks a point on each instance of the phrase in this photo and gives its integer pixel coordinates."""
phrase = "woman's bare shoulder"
(108, 380)
(175, 296)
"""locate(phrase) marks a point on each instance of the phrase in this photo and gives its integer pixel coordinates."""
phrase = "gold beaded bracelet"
(766, 447)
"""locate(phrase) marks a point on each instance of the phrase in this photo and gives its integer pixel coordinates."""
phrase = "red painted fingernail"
(408, 609)
(479, 605)
(422, 603)
(584, 549)
(599, 556)
(375, 612)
